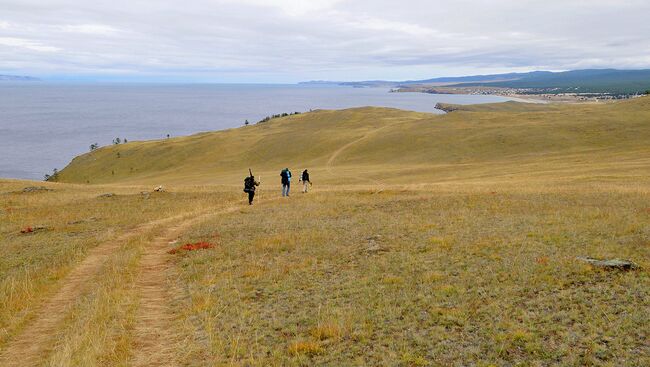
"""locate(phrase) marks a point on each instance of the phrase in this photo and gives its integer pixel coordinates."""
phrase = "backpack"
(249, 184)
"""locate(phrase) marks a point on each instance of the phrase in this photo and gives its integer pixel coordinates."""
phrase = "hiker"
(305, 181)
(286, 181)
(249, 187)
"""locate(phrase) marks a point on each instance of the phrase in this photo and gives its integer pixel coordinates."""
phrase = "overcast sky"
(295, 40)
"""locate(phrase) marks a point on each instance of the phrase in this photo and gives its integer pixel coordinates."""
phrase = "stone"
(36, 189)
(373, 246)
(613, 264)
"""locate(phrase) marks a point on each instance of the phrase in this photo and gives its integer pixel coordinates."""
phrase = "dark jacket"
(250, 183)
(305, 176)
(286, 176)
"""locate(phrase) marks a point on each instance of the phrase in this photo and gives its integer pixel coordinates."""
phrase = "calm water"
(43, 126)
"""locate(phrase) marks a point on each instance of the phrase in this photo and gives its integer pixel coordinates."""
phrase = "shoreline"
(515, 94)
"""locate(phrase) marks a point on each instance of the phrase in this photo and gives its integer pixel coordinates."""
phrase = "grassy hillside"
(391, 146)
(427, 240)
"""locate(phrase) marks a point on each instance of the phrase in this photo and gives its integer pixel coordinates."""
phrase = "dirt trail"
(37, 337)
(153, 333)
(329, 165)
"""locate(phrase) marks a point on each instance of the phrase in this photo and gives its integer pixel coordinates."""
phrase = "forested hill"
(581, 81)
(611, 81)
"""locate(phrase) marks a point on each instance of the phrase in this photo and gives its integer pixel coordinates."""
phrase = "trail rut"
(37, 337)
(155, 340)
(337, 153)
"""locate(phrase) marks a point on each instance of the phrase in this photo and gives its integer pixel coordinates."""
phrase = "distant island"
(575, 85)
(19, 78)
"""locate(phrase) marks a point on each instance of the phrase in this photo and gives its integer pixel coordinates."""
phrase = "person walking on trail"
(250, 186)
(305, 181)
(286, 181)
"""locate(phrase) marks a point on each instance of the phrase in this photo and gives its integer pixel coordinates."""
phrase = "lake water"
(43, 126)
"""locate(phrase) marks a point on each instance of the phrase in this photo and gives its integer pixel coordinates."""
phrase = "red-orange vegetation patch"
(543, 260)
(192, 247)
(27, 230)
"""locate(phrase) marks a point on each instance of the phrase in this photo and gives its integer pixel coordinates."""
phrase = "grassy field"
(441, 277)
(74, 219)
(427, 241)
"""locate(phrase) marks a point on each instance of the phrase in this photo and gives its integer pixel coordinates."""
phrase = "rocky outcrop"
(447, 107)
(35, 189)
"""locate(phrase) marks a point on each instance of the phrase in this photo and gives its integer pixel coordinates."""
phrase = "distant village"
(548, 94)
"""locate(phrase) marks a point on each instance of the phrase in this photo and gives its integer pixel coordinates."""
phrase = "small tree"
(246, 123)
(94, 146)
(53, 177)
(125, 141)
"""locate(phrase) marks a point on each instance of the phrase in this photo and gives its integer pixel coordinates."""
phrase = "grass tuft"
(308, 348)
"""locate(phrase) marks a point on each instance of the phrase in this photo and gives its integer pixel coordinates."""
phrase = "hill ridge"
(479, 134)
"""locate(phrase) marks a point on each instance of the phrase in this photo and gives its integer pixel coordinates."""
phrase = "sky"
(287, 41)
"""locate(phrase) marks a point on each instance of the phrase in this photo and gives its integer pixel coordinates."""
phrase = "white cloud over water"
(292, 40)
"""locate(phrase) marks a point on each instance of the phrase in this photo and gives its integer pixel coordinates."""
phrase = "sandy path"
(154, 338)
(37, 337)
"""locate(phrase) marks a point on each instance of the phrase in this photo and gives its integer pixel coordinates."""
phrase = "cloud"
(378, 24)
(292, 7)
(26, 44)
(91, 29)
(292, 40)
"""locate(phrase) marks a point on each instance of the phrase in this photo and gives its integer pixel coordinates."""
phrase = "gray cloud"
(291, 40)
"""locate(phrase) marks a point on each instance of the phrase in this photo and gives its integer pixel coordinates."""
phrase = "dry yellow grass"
(436, 277)
(35, 266)
(499, 143)
(443, 241)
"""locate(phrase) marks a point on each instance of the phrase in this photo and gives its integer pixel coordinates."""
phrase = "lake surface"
(43, 125)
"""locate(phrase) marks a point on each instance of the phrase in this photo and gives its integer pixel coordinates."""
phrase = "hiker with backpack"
(286, 182)
(305, 181)
(250, 186)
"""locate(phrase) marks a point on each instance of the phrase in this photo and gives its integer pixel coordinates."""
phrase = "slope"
(504, 137)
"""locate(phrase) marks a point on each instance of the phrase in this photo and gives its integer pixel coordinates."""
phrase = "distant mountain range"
(579, 81)
(17, 78)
